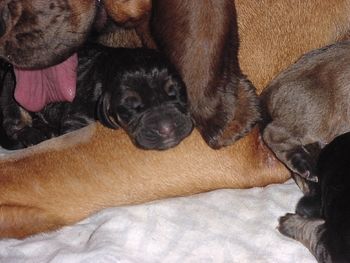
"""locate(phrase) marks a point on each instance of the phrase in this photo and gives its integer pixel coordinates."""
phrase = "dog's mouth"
(36, 88)
(47, 38)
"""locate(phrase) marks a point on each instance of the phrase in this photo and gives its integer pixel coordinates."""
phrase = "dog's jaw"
(36, 88)
(163, 131)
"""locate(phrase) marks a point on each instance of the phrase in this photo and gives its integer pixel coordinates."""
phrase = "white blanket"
(220, 226)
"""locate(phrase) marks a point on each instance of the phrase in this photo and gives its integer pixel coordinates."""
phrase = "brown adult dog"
(46, 190)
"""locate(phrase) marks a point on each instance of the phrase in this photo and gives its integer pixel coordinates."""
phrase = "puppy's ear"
(103, 105)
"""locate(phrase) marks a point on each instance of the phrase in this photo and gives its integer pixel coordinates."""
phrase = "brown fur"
(202, 43)
(128, 12)
(107, 171)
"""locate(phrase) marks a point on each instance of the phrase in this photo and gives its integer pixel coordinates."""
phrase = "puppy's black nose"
(166, 129)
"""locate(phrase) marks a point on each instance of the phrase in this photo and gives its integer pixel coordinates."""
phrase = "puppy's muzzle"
(159, 130)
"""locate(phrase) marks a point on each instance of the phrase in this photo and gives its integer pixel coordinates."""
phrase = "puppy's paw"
(289, 224)
(302, 165)
(232, 116)
(301, 182)
(29, 136)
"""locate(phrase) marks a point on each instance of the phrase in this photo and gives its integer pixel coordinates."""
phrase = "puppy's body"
(308, 104)
(322, 219)
(136, 89)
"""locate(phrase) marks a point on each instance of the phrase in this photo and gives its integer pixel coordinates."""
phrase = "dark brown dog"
(308, 105)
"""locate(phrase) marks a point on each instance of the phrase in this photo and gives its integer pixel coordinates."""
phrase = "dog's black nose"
(166, 128)
(2, 27)
(3, 15)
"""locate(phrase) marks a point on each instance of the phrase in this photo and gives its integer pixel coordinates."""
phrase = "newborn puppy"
(308, 105)
(136, 89)
(322, 219)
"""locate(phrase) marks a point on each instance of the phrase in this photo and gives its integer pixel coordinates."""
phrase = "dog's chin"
(151, 140)
(159, 146)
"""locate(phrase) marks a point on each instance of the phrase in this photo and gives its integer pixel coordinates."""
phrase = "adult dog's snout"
(2, 26)
(4, 15)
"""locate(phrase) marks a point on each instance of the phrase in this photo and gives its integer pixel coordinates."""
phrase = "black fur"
(329, 201)
(136, 89)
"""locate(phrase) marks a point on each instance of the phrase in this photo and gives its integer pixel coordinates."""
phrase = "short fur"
(322, 219)
(273, 34)
(223, 102)
(135, 89)
(308, 104)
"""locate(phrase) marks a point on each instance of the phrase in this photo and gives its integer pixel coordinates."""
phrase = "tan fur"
(274, 33)
(61, 184)
(65, 184)
(128, 12)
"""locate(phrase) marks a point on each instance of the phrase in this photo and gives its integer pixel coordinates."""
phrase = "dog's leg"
(21, 221)
(200, 38)
(310, 232)
(287, 146)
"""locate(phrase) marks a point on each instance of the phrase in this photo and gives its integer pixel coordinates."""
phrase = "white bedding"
(220, 226)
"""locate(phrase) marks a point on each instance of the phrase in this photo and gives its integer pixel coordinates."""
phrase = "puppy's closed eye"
(170, 90)
(132, 100)
(175, 91)
(102, 112)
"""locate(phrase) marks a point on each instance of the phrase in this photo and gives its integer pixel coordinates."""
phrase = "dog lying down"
(322, 218)
(307, 105)
(135, 89)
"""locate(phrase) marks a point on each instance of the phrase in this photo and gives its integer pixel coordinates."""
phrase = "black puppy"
(322, 218)
(136, 89)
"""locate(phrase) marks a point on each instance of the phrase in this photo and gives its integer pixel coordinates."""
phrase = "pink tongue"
(36, 88)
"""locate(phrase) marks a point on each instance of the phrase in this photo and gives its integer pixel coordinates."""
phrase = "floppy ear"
(103, 115)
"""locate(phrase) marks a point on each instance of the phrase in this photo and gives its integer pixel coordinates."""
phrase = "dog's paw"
(306, 186)
(302, 165)
(289, 224)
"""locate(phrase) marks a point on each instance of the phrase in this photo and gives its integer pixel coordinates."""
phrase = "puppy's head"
(150, 104)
